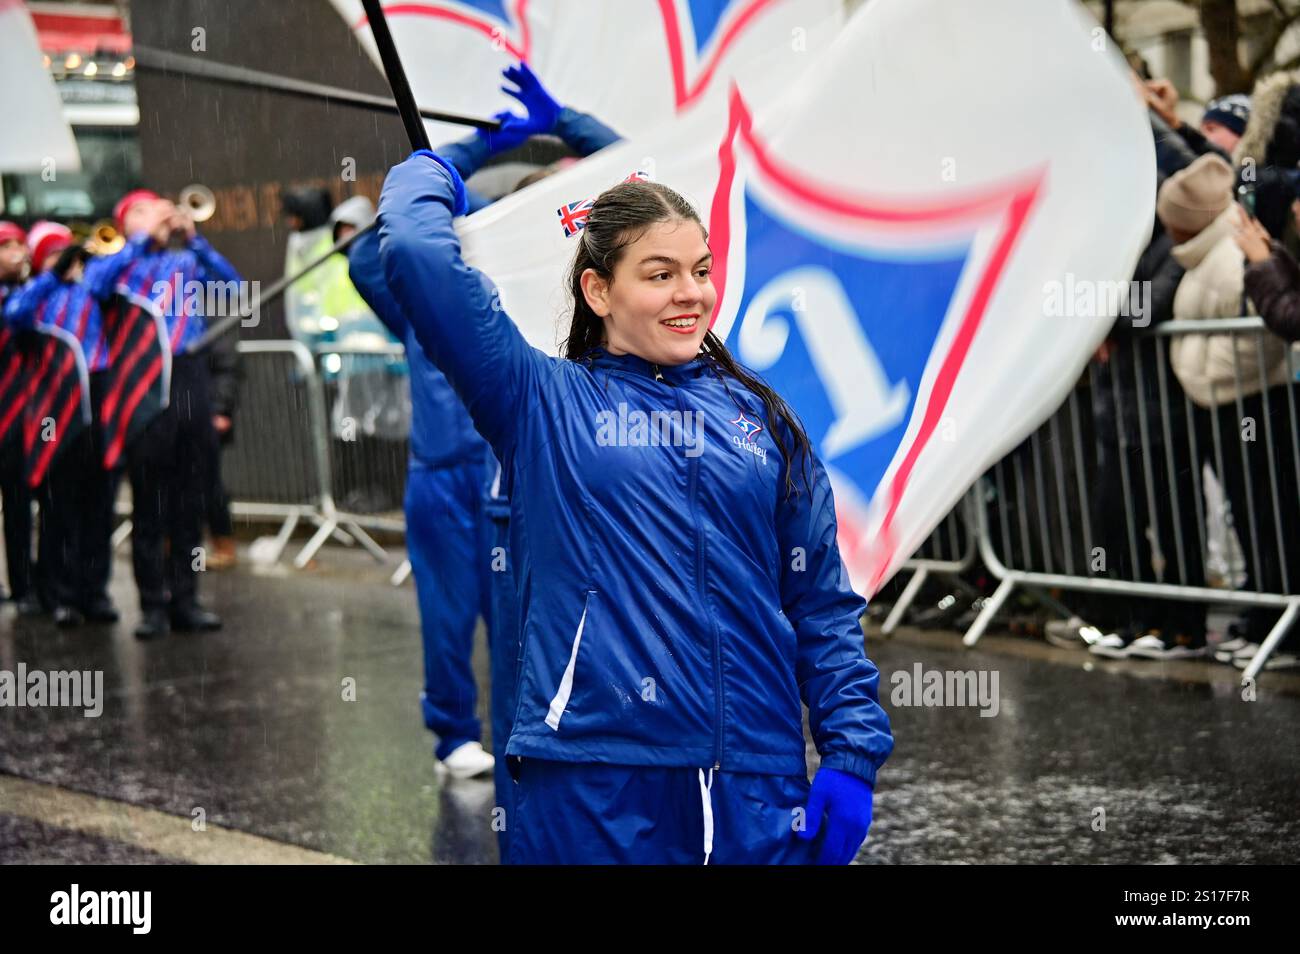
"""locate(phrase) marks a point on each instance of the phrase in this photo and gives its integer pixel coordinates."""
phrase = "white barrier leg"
(367, 541)
(905, 600)
(120, 534)
(318, 539)
(1274, 637)
(986, 614)
(282, 537)
(401, 573)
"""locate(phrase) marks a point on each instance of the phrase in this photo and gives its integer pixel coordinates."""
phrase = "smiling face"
(659, 300)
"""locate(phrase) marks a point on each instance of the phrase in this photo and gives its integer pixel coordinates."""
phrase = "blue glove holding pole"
(845, 800)
(461, 200)
(543, 111)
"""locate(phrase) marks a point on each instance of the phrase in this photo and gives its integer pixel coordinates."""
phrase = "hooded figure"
(1198, 211)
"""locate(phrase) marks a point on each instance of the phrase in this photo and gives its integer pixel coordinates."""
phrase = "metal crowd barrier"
(948, 551)
(367, 435)
(279, 464)
(1039, 521)
(1103, 477)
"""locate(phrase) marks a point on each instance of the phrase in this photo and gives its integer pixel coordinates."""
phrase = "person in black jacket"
(227, 375)
(1272, 273)
(1131, 379)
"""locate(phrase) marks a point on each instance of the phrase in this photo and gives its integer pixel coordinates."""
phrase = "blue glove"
(846, 801)
(461, 202)
(543, 111)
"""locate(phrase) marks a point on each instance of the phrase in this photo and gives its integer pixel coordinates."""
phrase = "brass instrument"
(199, 201)
(104, 238)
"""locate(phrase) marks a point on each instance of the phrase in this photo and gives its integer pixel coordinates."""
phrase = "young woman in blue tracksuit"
(457, 516)
(679, 597)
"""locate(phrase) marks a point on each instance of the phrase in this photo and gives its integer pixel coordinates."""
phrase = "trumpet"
(199, 201)
(104, 238)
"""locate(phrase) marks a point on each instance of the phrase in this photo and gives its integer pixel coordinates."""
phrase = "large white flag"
(886, 234)
(35, 138)
(632, 63)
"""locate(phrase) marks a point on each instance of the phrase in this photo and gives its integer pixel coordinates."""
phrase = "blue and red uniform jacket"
(46, 302)
(178, 282)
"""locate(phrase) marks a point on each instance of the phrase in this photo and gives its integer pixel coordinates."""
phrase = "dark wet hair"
(618, 218)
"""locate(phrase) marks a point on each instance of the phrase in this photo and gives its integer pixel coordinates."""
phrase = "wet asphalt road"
(250, 726)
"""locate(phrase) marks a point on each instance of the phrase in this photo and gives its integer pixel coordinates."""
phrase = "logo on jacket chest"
(746, 440)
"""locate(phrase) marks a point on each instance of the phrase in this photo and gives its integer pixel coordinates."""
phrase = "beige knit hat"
(1194, 197)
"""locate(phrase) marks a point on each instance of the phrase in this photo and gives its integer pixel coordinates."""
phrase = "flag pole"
(392, 63)
(162, 61)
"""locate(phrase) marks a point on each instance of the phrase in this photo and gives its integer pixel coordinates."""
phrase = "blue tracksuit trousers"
(443, 506)
(503, 646)
(596, 813)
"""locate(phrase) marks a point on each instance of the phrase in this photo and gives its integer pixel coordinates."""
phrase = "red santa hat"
(46, 239)
(9, 232)
(131, 198)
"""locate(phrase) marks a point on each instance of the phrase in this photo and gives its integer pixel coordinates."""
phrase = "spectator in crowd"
(1236, 382)
(1128, 388)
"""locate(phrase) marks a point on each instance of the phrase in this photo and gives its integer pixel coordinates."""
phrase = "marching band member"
(457, 516)
(77, 494)
(163, 261)
(676, 608)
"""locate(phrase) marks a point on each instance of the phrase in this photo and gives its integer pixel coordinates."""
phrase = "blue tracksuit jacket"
(441, 431)
(676, 606)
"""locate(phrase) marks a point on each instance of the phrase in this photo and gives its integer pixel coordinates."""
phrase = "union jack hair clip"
(573, 215)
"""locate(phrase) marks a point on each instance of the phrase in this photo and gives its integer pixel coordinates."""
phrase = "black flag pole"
(405, 99)
(161, 61)
(415, 131)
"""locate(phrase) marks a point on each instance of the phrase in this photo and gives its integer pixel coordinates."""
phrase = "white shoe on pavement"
(1278, 660)
(468, 761)
(1066, 633)
(1227, 650)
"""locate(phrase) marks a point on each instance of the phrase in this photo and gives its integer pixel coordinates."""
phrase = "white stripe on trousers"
(707, 799)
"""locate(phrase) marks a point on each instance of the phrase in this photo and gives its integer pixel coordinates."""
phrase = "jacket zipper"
(692, 484)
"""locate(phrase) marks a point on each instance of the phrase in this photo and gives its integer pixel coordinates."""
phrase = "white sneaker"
(1277, 660)
(1066, 633)
(1153, 645)
(1230, 649)
(468, 761)
(1111, 645)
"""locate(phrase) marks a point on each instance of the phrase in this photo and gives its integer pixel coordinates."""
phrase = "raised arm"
(454, 309)
(583, 133)
(103, 272)
(366, 271)
(1273, 285)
